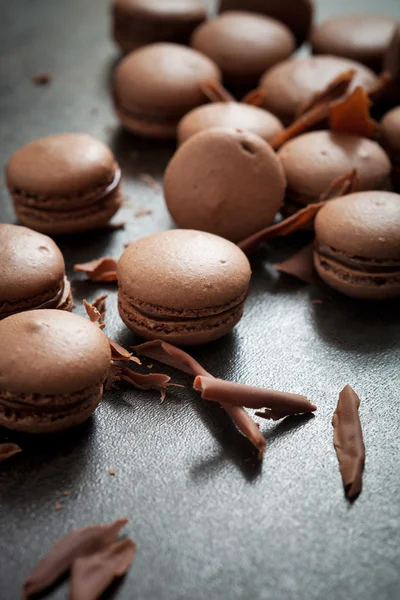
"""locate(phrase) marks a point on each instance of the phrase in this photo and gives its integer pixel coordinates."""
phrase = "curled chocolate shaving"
(348, 441)
(333, 91)
(300, 265)
(246, 425)
(351, 115)
(99, 270)
(255, 97)
(112, 378)
(215, 91)
(304, 123)
(93, 314)
(92, 575)
(77, 543)
(100, 305)
(346, 184)
(284, 227)
(42, 79)
(278, 404)
(152, 381)
(8, 450)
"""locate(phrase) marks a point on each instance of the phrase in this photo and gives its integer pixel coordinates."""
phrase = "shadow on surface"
(286, 426)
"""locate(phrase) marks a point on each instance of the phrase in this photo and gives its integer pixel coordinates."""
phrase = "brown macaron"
(292, 83)
(390, 140)
(295, 14)
(225, 181)
(244, 45)
(53, 365)
(157, 85)
(357, 247)
(67, 183)
(140, 22)
(312, 161)
(32, 272)
(185, 287)
(237, 115)
(362, 37)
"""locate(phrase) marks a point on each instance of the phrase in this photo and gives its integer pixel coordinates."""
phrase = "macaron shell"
(229, 114)
(290, 84)
(51, 352)
(65, 165)
(224, 181)
(390, 130)
(165, 10)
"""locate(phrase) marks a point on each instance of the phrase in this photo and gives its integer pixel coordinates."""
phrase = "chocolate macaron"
(140, 22)
(225, 181)
(295, 14)
(237, 115)
(294, 82)
(361, 37)
(67, 183)
(53, 365)
(32, 272)
(390, 140)
(357, 247)
(185, 287)
(312, 161)
(157, 85)
(244, 45)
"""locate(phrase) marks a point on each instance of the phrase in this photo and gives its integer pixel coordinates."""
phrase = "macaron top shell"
(163, 79)
(364, 224)
(244, 44)
(64, 165)
(51, 352)
(390, 129)
(183, 270)
(313, 160)
(31, 263)
(154, 10)
(293, 82)
(229, 114)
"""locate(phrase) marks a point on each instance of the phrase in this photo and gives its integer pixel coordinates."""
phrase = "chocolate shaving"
(334, 90)
(93, 314)
(92, 575)
(254, 98)
(346, 184)
(246, 425)
(278, 404)
(300, 265)
(100, 305)
(8, 450)
(112, 378)
(42, 78)
(351, 115)
(99, 270)
(283, 228)
(113, 226)
(304, 123)
(215, 92)
(348, 441)
(150, 182)
(77, 543)
(151, 381)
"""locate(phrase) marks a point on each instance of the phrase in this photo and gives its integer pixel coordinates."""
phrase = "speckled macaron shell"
(312, 161)
(235, 115)
(52, 368)
(225, 181)
(357, 248)
(244, 45)
(293, 82)
(390, 140)
(64, 183)
(186, 287)
(140, 22)
(32, 272)
(295, 14)
(157, 85)
(362, 37)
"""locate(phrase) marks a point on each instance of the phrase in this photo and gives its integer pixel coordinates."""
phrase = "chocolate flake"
(111, 472)
(142, 212)
(93, 314)
(246, 425)
(42, 79)
(300, 265)
(215, 92)
(150, 182)
(77, 543)
(254, 98)
(348, 441)
(99, 270)
(112, 378)
(92, 575)
(151, 381)
(58, 506)
(100, 305)
(66, 493)
(334, 90)
(8, 450)
(351, 115)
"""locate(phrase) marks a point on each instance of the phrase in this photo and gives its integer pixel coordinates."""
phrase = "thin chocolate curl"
(351, 115)
(93, 314)
(215, 92)
(300, 265)
(92, 575)
(100, 305)
(246, 425)
(99, 270)
(348, 441)
(152, 381)
(77, 543)
(333, 91)
(8, 450)
(254, 98)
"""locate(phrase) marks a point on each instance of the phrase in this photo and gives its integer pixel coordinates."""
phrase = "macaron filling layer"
(59, 298)
(358, 263)
(172, 120)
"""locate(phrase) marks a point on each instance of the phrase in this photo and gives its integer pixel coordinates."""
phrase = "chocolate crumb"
(66, 493)
(150, 181)
(317, 301)
(8, 450)
(111, 472)
(42, 79)
(142, 212)
(100, 305)
(58, 506)
(150, 366)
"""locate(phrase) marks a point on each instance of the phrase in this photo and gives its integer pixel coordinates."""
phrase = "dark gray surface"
(209, 520)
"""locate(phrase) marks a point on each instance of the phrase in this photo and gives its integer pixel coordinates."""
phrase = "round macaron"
(237, 115)
(295, 14)
(53, 365)
(67, 183)
(140, 22)
(244, 45)
(312, 161)
(295, 81)
(225, 181)
(361, 37)
(390, 140)
(32, 272)
(157, 85)
(357, 246)
(185, 287)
